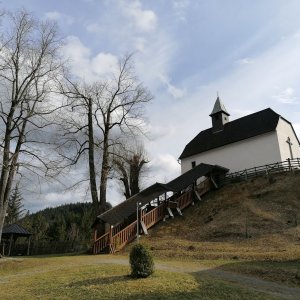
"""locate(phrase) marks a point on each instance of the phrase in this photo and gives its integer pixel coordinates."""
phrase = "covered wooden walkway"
(150, 206)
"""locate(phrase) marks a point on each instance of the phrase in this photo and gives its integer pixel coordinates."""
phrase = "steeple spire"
(219, 116)
(219, 107)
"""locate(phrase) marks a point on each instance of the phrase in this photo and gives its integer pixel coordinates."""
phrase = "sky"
(186, 51)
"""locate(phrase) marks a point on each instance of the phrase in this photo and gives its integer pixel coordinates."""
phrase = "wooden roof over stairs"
(126, 208)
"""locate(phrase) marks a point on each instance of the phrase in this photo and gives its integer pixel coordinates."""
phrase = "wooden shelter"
(11, 233)
(118, 226)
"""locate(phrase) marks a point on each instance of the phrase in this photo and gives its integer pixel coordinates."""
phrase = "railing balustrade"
(101, 243)
(288, 165)
(123, 237)
(155, 215)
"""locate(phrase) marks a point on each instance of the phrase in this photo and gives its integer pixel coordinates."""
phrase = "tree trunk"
(93, 184)
(104, 172)
(3, 209)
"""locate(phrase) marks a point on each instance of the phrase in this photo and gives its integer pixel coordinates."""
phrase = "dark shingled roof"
(126, 208)
(192, 175)
(123, 210)
(15, 229)
(240, 129)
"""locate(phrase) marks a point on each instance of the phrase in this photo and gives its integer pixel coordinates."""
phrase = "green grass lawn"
(89, 277)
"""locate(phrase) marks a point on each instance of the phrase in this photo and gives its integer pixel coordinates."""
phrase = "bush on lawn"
(141, 262)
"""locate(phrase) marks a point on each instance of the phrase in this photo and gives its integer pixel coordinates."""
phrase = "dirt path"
(268, 287)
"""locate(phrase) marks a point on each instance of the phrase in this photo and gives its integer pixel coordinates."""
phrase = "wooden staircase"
(117, 237)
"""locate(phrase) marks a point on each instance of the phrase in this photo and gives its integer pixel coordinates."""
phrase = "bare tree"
(29, 62)
(101, 113)
(129, 164)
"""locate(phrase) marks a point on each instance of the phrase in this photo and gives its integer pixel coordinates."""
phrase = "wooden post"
(10, 243)
(289, 162)
(110, 238)
(95, 234)
(137, 223)
(28, 245)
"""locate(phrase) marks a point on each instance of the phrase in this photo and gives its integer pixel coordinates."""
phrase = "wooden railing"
(288, 165)
(203, 187)
(123, 237)
(154, 216)
(101, 243)
(185, 199)
(117, 238)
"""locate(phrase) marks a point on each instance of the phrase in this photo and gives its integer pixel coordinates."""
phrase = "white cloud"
(287, 96)
(154, 132)
(144, 20)
(57, 16)
(94, 28)
(172, 90)
(244, 61)
(86, 66)
(165, 167)
(104, 64)
(180, 7)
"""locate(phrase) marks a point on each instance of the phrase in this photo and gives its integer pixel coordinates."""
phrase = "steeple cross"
(290, 146)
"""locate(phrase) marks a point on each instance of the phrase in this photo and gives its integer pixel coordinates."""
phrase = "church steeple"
(219, 116)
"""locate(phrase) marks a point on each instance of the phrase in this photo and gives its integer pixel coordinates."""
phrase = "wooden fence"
(154, 215)
(288, 165)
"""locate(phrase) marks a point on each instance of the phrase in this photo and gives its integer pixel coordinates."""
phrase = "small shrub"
(141, 262)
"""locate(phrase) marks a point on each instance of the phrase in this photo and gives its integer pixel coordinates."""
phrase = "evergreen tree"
(15, 209)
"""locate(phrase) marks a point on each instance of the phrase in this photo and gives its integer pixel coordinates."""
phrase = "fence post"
(267, 172)
(289, 162)
(110, 239)
(95, 234)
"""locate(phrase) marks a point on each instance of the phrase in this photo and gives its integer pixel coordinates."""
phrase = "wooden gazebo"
(11, 233)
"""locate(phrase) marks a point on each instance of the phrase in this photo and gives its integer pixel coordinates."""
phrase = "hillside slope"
(259, 218)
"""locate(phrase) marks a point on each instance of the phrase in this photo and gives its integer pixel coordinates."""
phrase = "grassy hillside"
(250, 227)
(257, 212)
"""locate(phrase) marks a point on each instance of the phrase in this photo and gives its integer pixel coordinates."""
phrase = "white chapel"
(257, 139)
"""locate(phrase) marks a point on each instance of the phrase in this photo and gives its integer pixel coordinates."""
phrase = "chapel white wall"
(285, 130)
(256, 151)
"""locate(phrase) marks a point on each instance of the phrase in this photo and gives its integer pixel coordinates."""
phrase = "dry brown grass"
(253, 214)
(249, 227)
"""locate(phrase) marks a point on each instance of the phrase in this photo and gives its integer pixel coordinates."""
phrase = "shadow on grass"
(101, 281)
(283, 272)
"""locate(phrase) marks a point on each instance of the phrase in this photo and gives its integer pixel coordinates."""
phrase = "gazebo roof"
(15, 229)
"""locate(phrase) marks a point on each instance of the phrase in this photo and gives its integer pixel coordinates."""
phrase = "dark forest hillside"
(65, 228)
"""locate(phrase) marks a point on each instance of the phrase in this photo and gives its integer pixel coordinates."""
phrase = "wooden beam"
(197, 195)
(28, 245)
(179, 211)
(214, 183)
(170, 212)
(144, 227)
(10, 243)
(95, 234)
